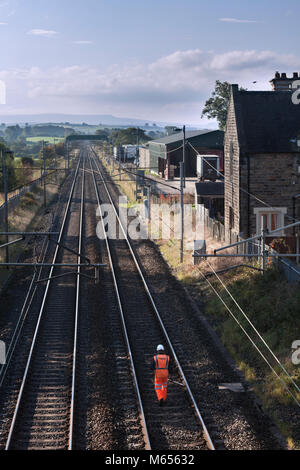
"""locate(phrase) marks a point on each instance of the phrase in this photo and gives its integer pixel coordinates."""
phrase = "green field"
(49, 140)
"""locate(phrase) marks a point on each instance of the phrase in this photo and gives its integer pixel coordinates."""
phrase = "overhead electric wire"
(250, 339)
(166, 152)
(254, 328)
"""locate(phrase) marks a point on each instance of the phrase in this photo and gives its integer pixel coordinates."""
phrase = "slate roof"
(208, 138)
(267, 121)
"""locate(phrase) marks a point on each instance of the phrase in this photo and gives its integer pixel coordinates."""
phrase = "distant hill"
(92, 119)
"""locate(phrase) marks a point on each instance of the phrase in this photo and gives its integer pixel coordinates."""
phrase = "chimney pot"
(277, 75)
(295, 75)
(283, 75)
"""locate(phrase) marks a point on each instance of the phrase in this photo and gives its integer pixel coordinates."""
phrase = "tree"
(60, 149)
(10, 170)
(27, 164)
(216, 107)
(49, 154)
(13, 132)
(102, 134)
(129, 136)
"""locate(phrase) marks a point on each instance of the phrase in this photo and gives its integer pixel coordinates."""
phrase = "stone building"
(261, 162)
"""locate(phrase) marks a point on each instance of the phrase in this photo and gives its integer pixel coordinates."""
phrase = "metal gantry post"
(4, 176)
(55, 154)
(136, 184)
(297, 246)
(183, 156)
(44, 175)
(137, 155)
(65, 156)
(181, 212)
(68, 155)
(55, 163)
(149, 202)
(263, 261)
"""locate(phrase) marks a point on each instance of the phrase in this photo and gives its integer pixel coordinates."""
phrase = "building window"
(270, 218)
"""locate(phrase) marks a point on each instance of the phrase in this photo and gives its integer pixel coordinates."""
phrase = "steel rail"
(25, 375)
(30, 294)
(116, 287)
(72, 408)
(190, 394)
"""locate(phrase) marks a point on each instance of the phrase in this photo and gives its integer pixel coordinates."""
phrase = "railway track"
(44, 412)
(179, 424)
(101, 396)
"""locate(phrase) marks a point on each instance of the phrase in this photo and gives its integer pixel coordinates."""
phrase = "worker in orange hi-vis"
(160, 365)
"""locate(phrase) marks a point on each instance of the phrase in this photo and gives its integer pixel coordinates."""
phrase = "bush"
(28, 200)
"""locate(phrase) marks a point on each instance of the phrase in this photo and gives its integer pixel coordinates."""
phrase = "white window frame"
(279, 211)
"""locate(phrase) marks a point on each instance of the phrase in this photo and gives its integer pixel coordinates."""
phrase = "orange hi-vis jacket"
(161, 362)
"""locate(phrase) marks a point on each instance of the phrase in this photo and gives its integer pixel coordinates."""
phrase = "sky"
(155, 60)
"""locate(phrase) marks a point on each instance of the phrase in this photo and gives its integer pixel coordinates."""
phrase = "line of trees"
(128, 136)
(18, 134)
(21, 170)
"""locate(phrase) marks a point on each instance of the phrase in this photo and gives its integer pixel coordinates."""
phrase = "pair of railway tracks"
(180, 424)
(45, 410)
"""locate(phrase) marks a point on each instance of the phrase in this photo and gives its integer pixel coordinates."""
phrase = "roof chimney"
(281, 82)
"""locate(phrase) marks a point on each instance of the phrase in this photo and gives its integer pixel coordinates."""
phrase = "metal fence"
(217, 230)
(290, 270)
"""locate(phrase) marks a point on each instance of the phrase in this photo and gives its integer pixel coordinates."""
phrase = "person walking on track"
(160, 365)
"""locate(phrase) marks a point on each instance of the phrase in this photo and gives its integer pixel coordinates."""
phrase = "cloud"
(2, 23)
(173, 87)
(83, 42)
(42, 32)
(237, 20)
(8, 8)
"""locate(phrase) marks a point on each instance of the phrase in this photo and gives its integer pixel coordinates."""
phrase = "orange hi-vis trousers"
(161, 375)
